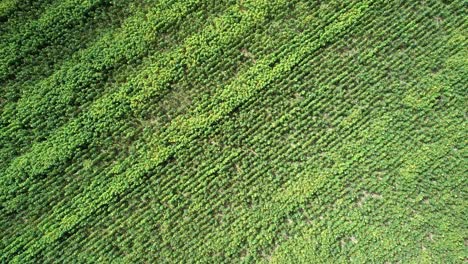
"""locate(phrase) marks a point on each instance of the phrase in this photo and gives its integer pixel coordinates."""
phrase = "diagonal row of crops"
(233, 131)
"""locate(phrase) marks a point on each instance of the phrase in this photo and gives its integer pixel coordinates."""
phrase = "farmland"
(194, 131)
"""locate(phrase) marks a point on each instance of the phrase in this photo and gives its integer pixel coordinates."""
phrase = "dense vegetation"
(282, 131)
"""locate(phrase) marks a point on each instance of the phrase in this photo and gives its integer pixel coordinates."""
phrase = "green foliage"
(233, 131)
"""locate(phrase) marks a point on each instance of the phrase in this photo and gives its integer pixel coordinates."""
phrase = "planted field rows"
(233, 131)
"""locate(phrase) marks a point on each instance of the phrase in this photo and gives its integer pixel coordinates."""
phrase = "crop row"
(52, 102)
(181, 130)
(201, 181)
(289, 147)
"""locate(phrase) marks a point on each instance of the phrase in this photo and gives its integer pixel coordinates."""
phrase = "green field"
(194, 131)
